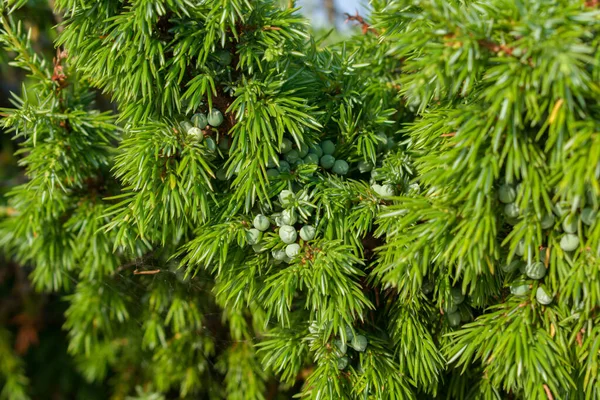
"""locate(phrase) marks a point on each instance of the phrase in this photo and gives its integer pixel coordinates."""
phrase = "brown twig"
(364, 26)
(151, 272)
(548, 392)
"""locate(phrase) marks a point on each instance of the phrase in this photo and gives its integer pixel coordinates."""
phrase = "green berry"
(303, 151)
(316, 149)
(292, 250)
(215, 118)
(186, 125)
(450, 307)
(520, 290)
(327, 161)
(547, 221)
(272, 173)
(364, 166)
(292, 156)
(340, 167)
(520, 249)
(386, 191)
(341, 346)
(286, 145)
(223, 57)
(342, 363)
(196, 133)
(311, 158)
(569, 224)
(200, 120)
(211, 145)
(253, 236)
(536, 270)
(457, 296)
(271, 162)
(279, 255)
(507, 194)
(259, 247)
(376, 188)
(349, 334)
(261, 222)
(284, 166)
(287, 234)
(427, 287)
(221, 174)
(286, 197)
(288, 217)
(390, 143)
(381, 140)
(513, 266)
(511, 210)
(299, 162)
(588, 216)
(453, 319)
(569, 242)
(307, 232)
(224, 143)
(543, 297)
(328, 147)
(359, 343)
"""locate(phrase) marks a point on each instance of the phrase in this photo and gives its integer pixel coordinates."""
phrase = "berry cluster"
(319, 154)
(572, 225)
(340, 346)
(285, 220)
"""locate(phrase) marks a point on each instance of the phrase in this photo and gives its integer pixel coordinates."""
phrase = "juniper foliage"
(407, 214)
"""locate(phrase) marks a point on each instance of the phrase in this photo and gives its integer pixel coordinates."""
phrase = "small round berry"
(286, 197)
(453, 319)
(221, 174)
(284, 166)
(196, 133)
(547, 221)
(386, 191)
(450, 308)
(341, 346)
(513, 266)
(286, 145)
(349, 334)
(390, 143)
(316, 149)
(340, 167)
(292, 250)
(200, 120)
(287, 234)
(272, 173)
(224, 143)
(186, 126)
(536, 270)
(511, 210)
(342, 363)
(359, 343)
(543, 297)
(365, 166)
(271, 162)
(311, 158)
(261, 222)
(327, 161)
(328, 147)
(457, 296)
(569, 224)
(288, 217)
(520, 290)
(588, 216)
(211, 145)
(382, 140)
(520, 249)
(507, 194)
(215, 118)
(279, 255)
(253, 236)
(569, 242)
(307, 232)
(303, 151)
(223, 57)
(292, 156)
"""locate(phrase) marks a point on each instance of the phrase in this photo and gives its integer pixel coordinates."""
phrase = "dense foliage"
(407, 214)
